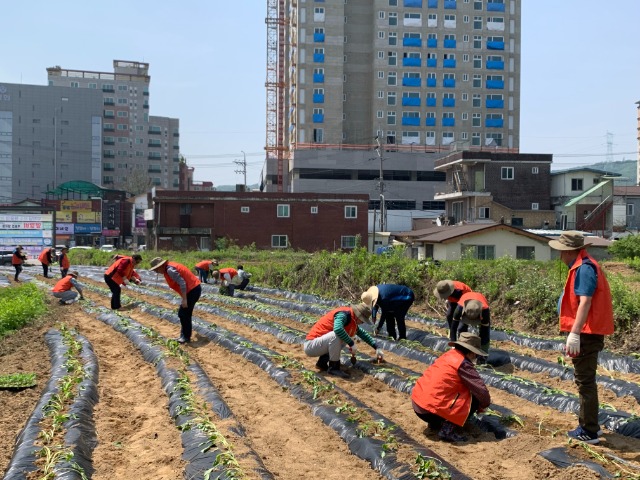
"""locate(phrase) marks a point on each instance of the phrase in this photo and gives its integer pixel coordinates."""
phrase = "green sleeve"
(339, 320)
(364, 335)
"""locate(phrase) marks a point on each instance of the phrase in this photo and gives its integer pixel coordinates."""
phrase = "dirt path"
(137, 436)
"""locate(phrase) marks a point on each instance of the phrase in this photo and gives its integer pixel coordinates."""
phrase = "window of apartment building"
(409, 138)
(477, 5)
(314, 210)
(484, 212)
(525, 253)
(465, 97)
(495, 39)
(477, 81)
(393, 19)
(123, 126)
(494, 116)
(447, 138)
(449, 20)
(412, 16)
(381, 94)
(244, 209)
(535, 206)
(464, 135)
(449, 56)
(496, 20)
(393, 59)
(393, 38)
(93, 85)
(109, 113)
(380, 35)
(576, 184)
(432, 56)
(449, 76)
(534, 170)
(393, 3)
(282, 210)
(496, 78)
(381, 14)
(391, 118)
(123, 101)
(475, 139)
(465, 58)
(318, 135)
(348, 241)
(380, 54)
(430, 138)
(391, 137)
(465, 116)
(477, 61)
(448, 115)
(506, 173)
(123, 139)
(493, 139)
(380, 74)
(75, 84)
(477, 23)
(477, 41)
(391, 98)
(123, 88)
(380, 114)
(122, 114)
(350, 211)
(279, 241)
(630, 210)
(392, 78)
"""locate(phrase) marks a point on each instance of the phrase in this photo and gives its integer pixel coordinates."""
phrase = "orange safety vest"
(459, 286)
(190, 279)
(474, 296)
(600, 316)
(440, 390)
(17, 259)
(129, 272)
(63, 285)
(44, 256)
(204, 265)
(64, 261)
(325, 324)
(231, 271)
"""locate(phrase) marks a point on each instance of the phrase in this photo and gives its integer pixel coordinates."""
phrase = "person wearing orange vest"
(586, 313)
(121, 272)
(204, 268)
(46, 259)
(473, 310)
(451, 291)
(63, 261)
(450, 390)
(17, 260)
(226, 277)
(186, 284)
(333, 331)
(62, 289)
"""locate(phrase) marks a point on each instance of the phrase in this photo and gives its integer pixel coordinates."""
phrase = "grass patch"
(20, 305)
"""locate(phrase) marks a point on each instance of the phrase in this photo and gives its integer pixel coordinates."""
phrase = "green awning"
(79, 187)
(592, 190)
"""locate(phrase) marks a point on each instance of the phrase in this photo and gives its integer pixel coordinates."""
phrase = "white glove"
(379, 353)
(353, 349)
(125, 282)
(573, 345)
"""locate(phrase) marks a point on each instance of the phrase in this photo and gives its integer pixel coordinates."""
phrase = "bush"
(626, 248)
(19, 306)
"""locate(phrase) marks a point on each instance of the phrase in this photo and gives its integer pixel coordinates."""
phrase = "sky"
(580, 72)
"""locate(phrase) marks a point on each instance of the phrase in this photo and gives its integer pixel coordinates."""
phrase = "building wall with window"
(311, 222)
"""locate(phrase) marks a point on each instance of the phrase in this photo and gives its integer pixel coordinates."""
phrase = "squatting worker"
(121, 272)
(204, 268)
(46, 259)
(186, 284)
(473, 309)
(394, 301)
(227, 277)
(451, 291)
(586, 313)
(334, 330)
(62, 290)
(450, 390)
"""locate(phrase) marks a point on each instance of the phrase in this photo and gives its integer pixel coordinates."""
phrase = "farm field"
(279, 417)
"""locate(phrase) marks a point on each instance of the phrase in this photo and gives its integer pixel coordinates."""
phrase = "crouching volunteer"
(62, 289)
(473, 310)
(333, 331)
(228, 279)
(121, 272)
(450, 390)
(451, 291)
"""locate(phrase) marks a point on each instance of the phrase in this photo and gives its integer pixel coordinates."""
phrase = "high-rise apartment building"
(136, 147)
(423, 77)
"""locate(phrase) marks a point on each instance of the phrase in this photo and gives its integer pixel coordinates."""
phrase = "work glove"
(138, 281)
(353, 349)
(379, 353)
(125, 282)
(573, 345)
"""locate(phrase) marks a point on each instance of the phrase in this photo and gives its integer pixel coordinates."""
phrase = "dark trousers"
(585, 366)
(435, 421)
(484, 332)
(18, 270)
(393, 315)
(243, 284)
(185, 313)
(45, 270)
(115, 292)
(63, 272)
(203, 274)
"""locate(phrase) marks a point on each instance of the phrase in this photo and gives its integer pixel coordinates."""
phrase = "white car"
(108, 248)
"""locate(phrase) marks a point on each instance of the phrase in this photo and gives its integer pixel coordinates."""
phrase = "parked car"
(107, 248)
(5, 257)
(142, 248)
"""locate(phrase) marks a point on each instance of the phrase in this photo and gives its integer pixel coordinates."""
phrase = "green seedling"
(429, 467)
(18, 380)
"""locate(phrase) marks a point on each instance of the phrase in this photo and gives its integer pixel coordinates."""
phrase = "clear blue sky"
(580, 71)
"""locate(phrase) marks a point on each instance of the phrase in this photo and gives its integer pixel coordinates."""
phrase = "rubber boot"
(323, 363)
(448, 434)
(334, 369)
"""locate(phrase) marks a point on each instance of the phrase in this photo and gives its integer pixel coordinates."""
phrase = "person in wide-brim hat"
(472, 310)
(568, 241)
(156, 263)
(394, 302)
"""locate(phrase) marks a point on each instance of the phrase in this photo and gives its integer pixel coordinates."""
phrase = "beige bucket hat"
(444, 289)
(156, 263)
(370, 297)
(363, 312)
(570, 240)
(471, 342)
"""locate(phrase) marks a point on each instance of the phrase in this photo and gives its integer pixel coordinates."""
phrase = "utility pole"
(243, 170)
(381, 187)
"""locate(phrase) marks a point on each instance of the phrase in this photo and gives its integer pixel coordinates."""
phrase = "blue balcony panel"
(495, 103)
(431, 102)
(493, 45)
(318, 37)
(432, 62)
(430, 122)
(432, 3)
(413, 121)
(494, 123)
(495, 7)
(448, 102)
(411, 42)
(410, 82)
(449, 43)
(410, 102)
(449, 63)
(318, 78)
(495, 84)
(495, 65)
(450, 4)
(448, 122)
(318, 98)
(431, 82)
(432, 42)
(413, 3)
(449, 83)
(318, 57)
(318, 118)
(410, 62)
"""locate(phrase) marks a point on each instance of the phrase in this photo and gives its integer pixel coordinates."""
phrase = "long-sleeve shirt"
(338, 327)
(472, 380)
(392, 297)
(176, 277)
(77, 285)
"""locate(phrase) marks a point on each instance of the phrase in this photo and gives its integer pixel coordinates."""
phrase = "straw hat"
(363, 312)
(471, 342)
(570, 240)
(444, 289)
(156, 263)
(74, 273)
(370, 297)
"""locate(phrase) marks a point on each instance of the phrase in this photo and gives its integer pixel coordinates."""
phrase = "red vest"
(64, 261)
(190, 279)
(600, 317)
(63, 285)
(325, 324)
(474, 296)
(128, 272)
(204, 265)
(440, 390)
(231, 271)
(459, 286)
(44, 256)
